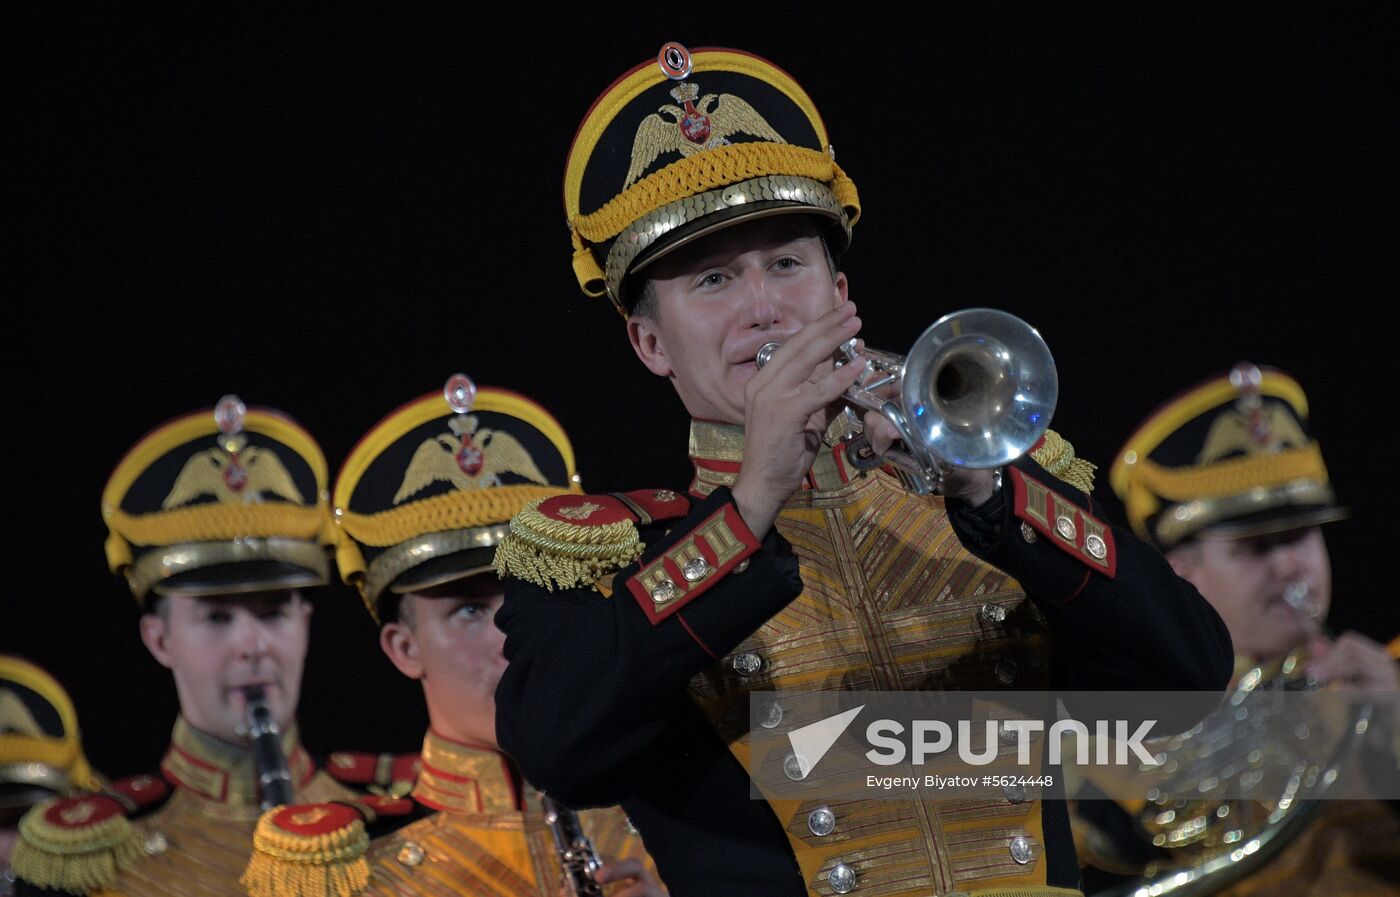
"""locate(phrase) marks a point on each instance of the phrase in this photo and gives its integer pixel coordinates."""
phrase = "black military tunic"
(618, 698)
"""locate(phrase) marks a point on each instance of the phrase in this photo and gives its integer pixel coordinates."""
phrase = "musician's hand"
(971, 486)
(1354, 661)
(630, 870)
(787, 407)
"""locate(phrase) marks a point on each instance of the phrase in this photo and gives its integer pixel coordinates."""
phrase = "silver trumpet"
(576, 854)
(977, 390)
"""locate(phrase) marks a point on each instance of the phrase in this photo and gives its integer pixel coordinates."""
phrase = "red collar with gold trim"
(223, 772)
(464, 778)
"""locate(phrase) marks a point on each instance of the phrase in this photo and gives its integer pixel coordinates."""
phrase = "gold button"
(1027, 533)
(1095, 546)
(1065, 527)
(741, 566)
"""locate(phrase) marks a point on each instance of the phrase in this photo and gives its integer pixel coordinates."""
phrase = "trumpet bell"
(980, 386)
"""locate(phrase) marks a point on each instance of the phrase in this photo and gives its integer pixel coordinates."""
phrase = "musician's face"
(1245, 580)
(218, 646)
(720, 299)
(447, 638)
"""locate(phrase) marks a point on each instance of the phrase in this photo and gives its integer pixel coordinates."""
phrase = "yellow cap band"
(1143, 485)
(709, 170)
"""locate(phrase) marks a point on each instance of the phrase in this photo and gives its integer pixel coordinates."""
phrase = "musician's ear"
(154, 632)
(1184, 560)
(401, 646)
(646, 341)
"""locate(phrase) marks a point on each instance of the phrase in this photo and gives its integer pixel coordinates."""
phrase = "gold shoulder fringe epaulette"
(76, 844)
(569, 541)
(308, 850)
(1056, 455)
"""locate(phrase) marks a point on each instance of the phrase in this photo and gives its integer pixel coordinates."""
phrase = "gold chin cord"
(579, 860)
(977, 390)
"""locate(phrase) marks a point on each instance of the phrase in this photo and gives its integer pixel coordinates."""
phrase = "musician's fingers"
(642, 884)
(880, 432)
(811, 348)
(617, 870)
(1356, 660)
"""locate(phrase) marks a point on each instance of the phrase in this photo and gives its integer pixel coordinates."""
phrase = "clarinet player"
(218, 526)
(420, 505)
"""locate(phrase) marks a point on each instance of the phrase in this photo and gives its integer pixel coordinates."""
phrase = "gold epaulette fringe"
(299, 852)
(76, 855)
(553, 553)
(1056, 455)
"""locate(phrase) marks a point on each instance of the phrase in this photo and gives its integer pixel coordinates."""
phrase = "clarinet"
(576, 853)
(274, 778)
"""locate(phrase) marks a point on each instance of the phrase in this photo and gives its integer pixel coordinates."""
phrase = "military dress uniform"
(1234, 456)
(638, 623)
(217, 502)
(41, 750)
(422, 501)
(41, 747)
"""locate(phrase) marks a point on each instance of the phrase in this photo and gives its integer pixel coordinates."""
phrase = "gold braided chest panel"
(891, 602)
(508, 854)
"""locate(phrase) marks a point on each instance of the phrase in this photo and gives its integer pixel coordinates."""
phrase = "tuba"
(1233, 791)
(976, 390)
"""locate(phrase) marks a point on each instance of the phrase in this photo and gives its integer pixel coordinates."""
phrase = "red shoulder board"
(140, 792)
(384, 770)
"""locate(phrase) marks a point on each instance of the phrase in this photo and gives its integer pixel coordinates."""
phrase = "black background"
(331, 215)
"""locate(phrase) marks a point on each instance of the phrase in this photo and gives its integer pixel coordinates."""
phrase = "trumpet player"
(218, 523)
(637, 625)
(1227, 480)
(421, 503)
